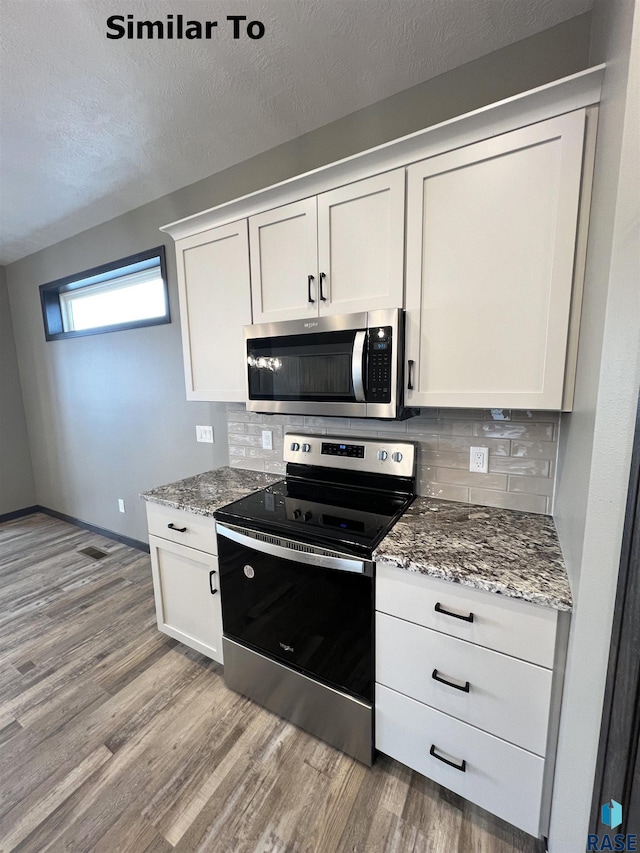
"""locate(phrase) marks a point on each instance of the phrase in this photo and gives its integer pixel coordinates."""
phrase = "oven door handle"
(357, 367)
(326, 561)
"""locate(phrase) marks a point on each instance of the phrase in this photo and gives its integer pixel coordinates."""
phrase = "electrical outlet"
(479, 460)
(204, 433)
(121, 505)
(267, 439)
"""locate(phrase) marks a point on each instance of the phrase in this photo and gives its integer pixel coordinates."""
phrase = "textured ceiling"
(93, 127)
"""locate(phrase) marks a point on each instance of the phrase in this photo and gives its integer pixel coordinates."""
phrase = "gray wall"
(550, 55)
(596, 440)
(107, 414)
(16, 476)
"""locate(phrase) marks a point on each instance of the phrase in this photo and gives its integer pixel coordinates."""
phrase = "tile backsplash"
(523, 446)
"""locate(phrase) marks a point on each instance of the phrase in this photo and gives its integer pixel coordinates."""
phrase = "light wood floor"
(114, 737)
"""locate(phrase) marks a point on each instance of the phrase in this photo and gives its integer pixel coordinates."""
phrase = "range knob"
(295, 445)
(307, 515)
(306, 448)
(382, 455)
(296, 513)
(397, 456)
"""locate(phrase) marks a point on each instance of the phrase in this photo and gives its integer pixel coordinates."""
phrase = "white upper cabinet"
(283, 258)
(339, 252)
(361, 245)
(214, 290)
(477, 227)
(491, 232)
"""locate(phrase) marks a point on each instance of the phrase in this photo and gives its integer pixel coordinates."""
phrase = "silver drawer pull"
(462, 766)
(464, 687)
(177, 529)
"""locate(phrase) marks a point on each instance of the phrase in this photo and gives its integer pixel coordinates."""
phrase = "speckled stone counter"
(498, 550)
(205, 493)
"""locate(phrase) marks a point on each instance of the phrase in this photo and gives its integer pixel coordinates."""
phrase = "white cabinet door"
(490, 246)
(283, 257)
(361, 245)
(215, 302)
(187, 596)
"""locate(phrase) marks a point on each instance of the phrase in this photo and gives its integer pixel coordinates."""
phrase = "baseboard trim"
(19, 513)
(85, 525)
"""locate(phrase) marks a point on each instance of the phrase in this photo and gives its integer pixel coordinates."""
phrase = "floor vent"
(94, 553)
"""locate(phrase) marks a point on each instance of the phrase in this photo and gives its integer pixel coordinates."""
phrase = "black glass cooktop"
(346, 518)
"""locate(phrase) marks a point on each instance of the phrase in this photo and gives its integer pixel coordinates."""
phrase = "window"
(125, 294)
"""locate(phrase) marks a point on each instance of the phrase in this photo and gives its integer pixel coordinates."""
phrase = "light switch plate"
(121, 505)
(204, 433)
(267, 439)
(479, 460)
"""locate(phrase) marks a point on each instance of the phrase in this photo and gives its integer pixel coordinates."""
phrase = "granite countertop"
(498, 550)
(204, 493)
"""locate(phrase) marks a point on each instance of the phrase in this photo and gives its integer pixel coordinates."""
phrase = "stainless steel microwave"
(348, 365)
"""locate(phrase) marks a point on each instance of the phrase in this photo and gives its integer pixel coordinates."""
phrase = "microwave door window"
(307, 367)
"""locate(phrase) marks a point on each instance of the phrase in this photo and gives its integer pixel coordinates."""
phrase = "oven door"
(308, 610)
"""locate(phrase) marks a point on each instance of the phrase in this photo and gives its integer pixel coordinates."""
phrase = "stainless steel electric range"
(297, 582)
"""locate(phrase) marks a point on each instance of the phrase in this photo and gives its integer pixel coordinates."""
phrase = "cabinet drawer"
(187, 528)
(498, 776)
(505, 624)
(506, 696)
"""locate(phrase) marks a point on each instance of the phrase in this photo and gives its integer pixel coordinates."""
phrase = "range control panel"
(351, 453)
(336, 448)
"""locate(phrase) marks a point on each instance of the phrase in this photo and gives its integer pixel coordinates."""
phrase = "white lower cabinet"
(461, 695)
(476, 685)
(186, 587)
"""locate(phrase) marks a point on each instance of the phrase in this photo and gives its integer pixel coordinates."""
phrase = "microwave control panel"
(379, 354)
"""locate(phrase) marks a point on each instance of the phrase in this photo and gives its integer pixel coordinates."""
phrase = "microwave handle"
(356, 366)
